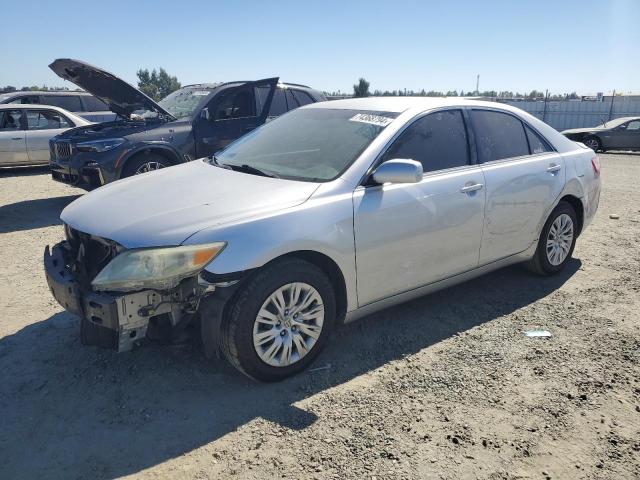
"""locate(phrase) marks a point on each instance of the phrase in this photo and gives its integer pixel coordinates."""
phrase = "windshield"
(612, 123)
(314, 144)
(183, 102)
(5, 96)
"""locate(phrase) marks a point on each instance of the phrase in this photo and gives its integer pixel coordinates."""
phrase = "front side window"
(46, 120)
(68, 102)
(10, 120)
(235, 104)
(498, 135)
(315, 144)
(438, 141)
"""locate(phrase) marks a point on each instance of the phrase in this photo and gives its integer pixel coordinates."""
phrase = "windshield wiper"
(249, 169)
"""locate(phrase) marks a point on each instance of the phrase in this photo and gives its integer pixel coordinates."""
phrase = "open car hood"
(121, 97)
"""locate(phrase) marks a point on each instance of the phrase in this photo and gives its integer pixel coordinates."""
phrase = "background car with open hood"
(617, 134)
(192, 122)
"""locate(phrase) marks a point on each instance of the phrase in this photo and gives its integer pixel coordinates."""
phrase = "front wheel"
(556, 242)
(146, 162)
(280, 320)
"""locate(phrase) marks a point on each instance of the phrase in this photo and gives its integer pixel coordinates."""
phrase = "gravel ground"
(444, 387)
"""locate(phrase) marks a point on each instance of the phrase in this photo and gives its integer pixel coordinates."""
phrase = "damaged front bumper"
(116, 320)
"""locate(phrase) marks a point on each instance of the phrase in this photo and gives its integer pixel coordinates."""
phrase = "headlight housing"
(155, 268)
(100, 145)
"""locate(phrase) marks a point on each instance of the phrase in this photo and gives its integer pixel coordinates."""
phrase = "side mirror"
(204, 113)
(398, 171)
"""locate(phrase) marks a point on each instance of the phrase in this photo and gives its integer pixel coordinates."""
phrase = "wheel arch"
(576, 203)
(163, 150)
(330, 268)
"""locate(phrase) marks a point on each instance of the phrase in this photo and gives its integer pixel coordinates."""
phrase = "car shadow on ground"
(80, 412)
(30, 214)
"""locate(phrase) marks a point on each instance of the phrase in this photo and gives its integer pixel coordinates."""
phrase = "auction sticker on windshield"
(201, 93)
(378, 120)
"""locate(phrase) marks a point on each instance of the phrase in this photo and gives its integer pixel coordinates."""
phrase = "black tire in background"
(540, 263)
(236, 336)
(593, 143)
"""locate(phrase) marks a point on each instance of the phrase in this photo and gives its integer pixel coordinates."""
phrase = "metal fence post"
(613, 97)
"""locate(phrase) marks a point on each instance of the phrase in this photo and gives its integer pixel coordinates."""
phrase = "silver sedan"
(25, 131)
(324, 215)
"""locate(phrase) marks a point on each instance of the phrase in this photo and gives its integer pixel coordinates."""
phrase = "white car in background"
(25, 131)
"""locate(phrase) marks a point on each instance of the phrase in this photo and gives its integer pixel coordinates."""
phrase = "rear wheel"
(593, 143)
(280, 321)
(146, 162)
(556, 242)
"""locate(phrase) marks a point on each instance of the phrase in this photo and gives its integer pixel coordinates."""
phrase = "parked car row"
(83, 104)
(328, 213)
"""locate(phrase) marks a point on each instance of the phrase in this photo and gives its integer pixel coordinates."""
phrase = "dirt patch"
(446, 386)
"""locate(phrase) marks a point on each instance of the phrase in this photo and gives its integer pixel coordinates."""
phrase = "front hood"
(105, 130)
(167, 206)
(574, 131)
(121, 97)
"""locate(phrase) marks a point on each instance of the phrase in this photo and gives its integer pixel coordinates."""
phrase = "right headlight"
(155, 268)
(100, 145)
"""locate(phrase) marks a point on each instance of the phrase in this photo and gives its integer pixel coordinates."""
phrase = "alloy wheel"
(559, 239)
(148, 167)
(592, 143)
(288, 324)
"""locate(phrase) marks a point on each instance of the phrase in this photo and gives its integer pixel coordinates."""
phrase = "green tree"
(157, 84)
(361, 89)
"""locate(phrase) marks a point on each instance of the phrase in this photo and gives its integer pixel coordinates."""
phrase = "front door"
(628, 135)
(523, 178)
(41, 126)
(13, 150)
(409, 235)
(233, 113)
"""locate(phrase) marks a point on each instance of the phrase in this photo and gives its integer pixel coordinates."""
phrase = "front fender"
(150, 146)
(319, 225)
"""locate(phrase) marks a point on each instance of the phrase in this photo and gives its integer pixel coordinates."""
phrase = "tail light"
(595, 164)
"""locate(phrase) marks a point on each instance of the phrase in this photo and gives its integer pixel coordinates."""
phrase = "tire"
(593, 143)
(137, 163)
(544, 262)
(241, 328)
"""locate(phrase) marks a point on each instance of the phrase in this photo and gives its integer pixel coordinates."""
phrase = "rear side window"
(303, 98)
(10, 120)
(291, 100)
(68, 102)
(498, 135)
(438, 141)
(93, 104)
(536, 143)
(278, 104)
(46, 120)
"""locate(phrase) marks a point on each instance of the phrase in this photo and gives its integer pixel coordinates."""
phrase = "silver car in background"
(25, 131)
(324, 215)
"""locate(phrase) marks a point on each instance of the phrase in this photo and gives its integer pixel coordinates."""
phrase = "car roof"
(46, 92)
(401, 104)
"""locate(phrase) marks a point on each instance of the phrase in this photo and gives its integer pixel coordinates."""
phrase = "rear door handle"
(553, 168)
(471, 188)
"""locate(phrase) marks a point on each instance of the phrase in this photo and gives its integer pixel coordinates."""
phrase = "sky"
(586, 46)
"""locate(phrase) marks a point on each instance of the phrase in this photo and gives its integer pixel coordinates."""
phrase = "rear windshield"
(182, 103)
(313, 144)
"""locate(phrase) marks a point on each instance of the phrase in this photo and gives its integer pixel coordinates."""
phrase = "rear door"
(13, 149)
(409, 235)
(233, 113)
(41, 126)
(523, 176)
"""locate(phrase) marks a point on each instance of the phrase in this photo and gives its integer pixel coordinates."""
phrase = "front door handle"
(16, 138)
(471, 188)
(553, 168)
